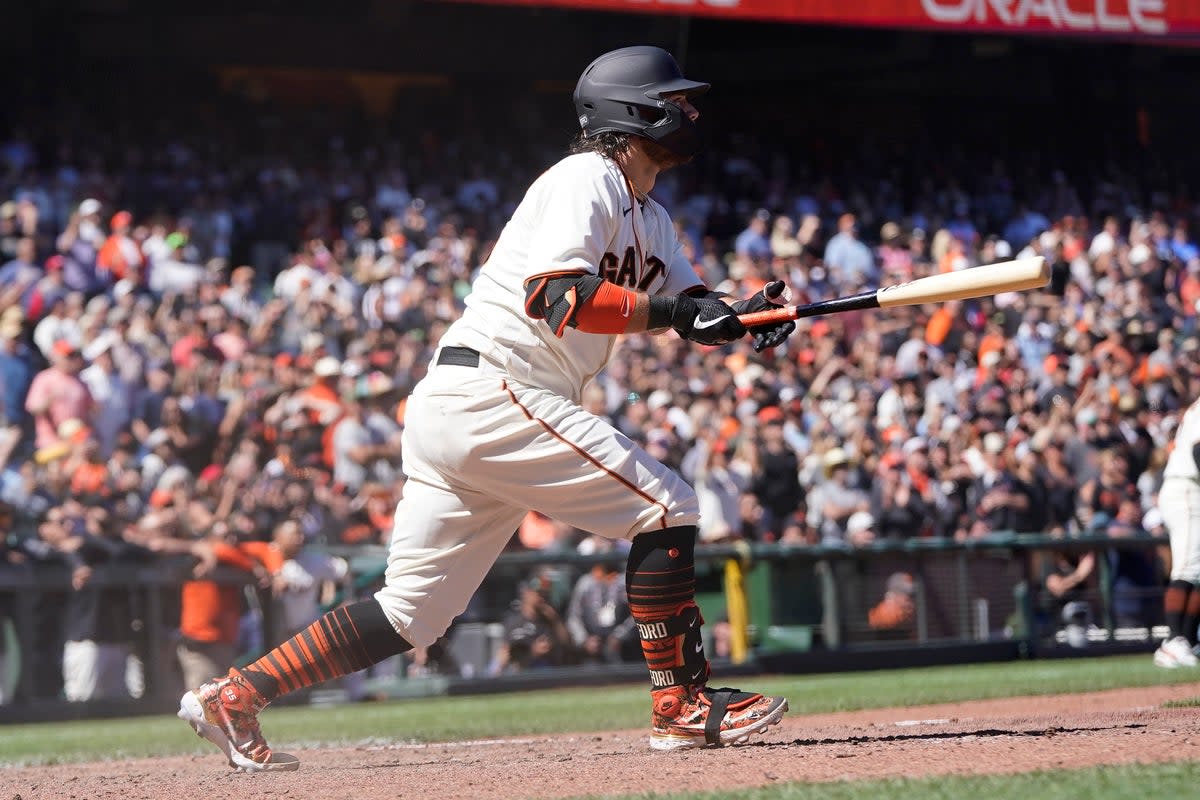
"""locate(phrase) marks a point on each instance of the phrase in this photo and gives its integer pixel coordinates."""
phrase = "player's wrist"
(676, 311)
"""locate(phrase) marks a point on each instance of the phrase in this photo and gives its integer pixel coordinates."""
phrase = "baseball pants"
(480, 450)
(95, 671)
(1179, 503)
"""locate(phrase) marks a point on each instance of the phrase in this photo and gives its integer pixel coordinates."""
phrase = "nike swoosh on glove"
(699, 319)
(772, 334)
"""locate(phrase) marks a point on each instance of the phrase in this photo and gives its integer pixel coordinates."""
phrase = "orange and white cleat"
(697, 716)
(225, 711)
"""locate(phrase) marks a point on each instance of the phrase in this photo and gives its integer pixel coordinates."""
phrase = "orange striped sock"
(343, 641)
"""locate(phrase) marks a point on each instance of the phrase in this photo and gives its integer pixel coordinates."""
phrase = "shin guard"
(661, 581)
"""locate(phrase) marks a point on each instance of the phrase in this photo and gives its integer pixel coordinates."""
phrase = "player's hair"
(609, 144)
(612, 144)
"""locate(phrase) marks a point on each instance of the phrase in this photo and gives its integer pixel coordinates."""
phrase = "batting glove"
(699, 319)
(775, 333)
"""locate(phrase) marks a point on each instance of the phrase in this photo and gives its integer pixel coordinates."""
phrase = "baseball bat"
(1007, 276)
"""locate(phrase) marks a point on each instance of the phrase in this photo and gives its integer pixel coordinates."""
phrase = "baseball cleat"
(1174, 653)
(697, 716)
(225, 711)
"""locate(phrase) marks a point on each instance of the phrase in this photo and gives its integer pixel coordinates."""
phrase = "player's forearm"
(593, 305)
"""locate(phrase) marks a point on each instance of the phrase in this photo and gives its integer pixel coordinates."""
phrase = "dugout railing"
(793, 608)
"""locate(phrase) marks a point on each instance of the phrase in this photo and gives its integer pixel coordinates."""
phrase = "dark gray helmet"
(623, 91)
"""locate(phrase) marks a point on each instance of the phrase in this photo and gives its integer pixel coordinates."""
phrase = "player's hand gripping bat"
(1008, 276)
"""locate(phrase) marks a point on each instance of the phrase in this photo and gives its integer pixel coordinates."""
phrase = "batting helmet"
(623, 91)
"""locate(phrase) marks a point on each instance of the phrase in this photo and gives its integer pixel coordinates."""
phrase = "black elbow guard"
(556, 298)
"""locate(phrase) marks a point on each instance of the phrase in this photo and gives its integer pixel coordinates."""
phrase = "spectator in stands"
(79, 244)
(996, 499)
(753, 242)
(784, 243)
(120, 257)
(366, 441)
(1135, 576)
(111, 396)
(56, 394)
(148, 400)
(896, 612)
(1100, 498)
(1064, 602)
(19, 275)
(861, 529)
(719, 489)
(849, 260)
(898, 510)
(101, 621)
(776, 483)
(895, 260)
(16, 373)
(835, 499)
(239, 298)
(211, 612)
(534, 634)
(302, 576)
(598, 618)
(54, 325)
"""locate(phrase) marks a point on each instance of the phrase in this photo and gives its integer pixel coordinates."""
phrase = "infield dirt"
(979, 737)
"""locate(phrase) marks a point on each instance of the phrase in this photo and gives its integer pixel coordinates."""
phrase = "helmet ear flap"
(651, 115)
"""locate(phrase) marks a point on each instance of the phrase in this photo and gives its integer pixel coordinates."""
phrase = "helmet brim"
(678, 86)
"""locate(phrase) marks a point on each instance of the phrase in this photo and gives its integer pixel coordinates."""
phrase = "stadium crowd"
(206, 350)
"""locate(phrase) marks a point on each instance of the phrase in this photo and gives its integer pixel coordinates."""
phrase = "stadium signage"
(1143, 16)
(1166, 21)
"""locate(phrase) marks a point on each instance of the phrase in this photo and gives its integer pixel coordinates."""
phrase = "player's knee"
(400, 609)
(1189, 572)
(684, 507)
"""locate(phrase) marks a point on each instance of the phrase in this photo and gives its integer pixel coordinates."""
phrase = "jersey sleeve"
(681, 275)
(572, 220)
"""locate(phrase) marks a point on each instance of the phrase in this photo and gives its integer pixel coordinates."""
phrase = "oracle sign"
(1166, 21)
(1099, 16)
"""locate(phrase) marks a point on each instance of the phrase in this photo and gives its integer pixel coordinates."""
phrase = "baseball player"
(496, 427)
(1179, 504)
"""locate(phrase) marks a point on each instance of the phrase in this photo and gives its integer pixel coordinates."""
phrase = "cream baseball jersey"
(1181, 463)
(579, 216)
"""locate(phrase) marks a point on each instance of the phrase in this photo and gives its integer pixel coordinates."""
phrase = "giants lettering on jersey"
(625, 273)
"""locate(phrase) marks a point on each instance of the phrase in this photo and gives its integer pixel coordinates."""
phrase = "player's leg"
(1191, 618)
(583, 471)
(225, 710)
(440, 552)
(444, 541)
(660, 578)
(1179, 502)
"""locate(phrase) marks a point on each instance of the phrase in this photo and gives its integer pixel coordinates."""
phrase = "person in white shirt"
(298, 585)
(112, 396)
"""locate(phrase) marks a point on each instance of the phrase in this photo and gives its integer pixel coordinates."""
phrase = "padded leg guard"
(661, 581)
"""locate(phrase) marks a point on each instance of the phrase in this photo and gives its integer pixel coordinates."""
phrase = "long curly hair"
(612, 144)
(609, 144)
